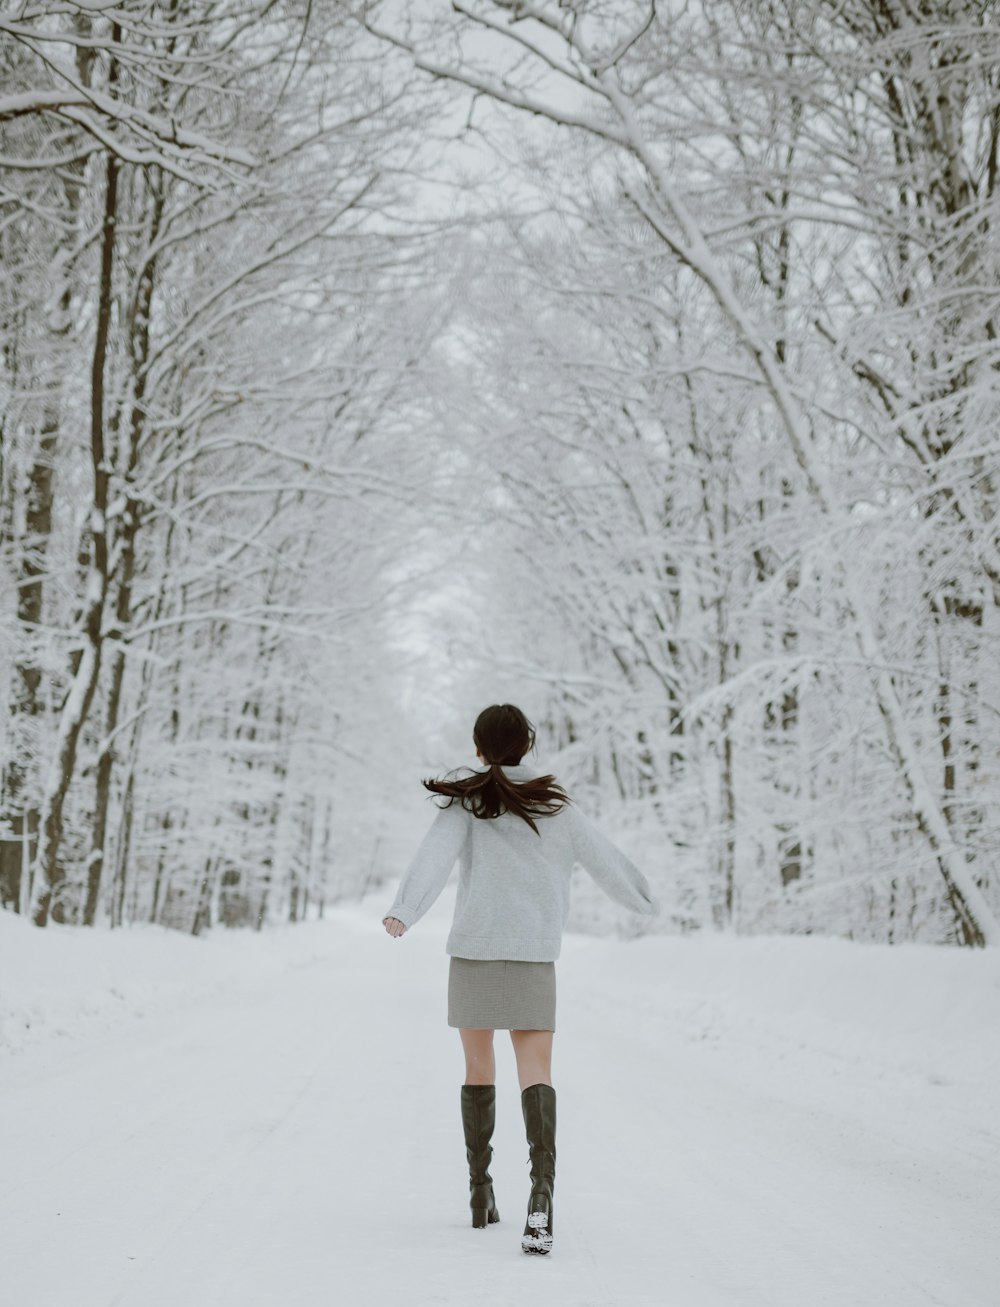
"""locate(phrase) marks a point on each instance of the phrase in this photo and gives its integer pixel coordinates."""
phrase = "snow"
(263, 1119)
(71, 983)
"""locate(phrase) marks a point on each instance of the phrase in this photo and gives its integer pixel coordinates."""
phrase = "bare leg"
(480, 1064)
(533, 1050)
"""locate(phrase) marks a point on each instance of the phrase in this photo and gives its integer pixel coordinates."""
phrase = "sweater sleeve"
(620, 878)
(428, 873)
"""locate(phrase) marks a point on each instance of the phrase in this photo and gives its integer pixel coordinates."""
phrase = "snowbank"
(65, 981)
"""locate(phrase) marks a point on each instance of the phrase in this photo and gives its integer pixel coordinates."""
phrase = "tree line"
(643, 354)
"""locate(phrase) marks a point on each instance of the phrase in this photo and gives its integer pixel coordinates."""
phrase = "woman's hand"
(393, 926)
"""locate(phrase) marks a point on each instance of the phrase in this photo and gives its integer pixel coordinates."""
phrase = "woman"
(517, 840)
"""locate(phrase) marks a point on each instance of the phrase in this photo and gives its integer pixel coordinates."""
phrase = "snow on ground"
(272, 1121)
(63, 982)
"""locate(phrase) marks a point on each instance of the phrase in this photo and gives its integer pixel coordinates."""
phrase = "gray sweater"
(513, 886)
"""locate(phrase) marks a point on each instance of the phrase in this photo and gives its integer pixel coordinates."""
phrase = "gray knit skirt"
(501, 995)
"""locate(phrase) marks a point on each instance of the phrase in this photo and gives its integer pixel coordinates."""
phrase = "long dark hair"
(503, 735)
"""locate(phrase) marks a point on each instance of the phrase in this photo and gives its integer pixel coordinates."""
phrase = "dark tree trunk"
(139, 351)
(84, 683)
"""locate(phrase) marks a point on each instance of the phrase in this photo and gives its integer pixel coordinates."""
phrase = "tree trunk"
(78, 701)
(126, 542)
(25, 707)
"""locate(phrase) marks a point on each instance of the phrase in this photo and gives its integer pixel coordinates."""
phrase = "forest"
(635, 361)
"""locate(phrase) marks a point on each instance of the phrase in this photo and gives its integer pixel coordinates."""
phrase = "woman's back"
(514, 881)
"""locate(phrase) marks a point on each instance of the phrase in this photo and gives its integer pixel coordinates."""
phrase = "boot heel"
(484, 1216)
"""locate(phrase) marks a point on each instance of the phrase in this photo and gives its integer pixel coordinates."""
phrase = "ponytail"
(488, 794)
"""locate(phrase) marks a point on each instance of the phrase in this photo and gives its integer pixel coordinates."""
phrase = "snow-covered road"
(739, 1126)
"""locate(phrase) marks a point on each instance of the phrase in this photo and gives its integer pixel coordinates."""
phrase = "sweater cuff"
(405, 915)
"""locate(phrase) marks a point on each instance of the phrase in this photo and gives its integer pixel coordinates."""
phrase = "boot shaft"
(538, 1105)
(478, 1118)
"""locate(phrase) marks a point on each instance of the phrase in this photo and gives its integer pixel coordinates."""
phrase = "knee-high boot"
(538, 1103)
(478, 1116)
